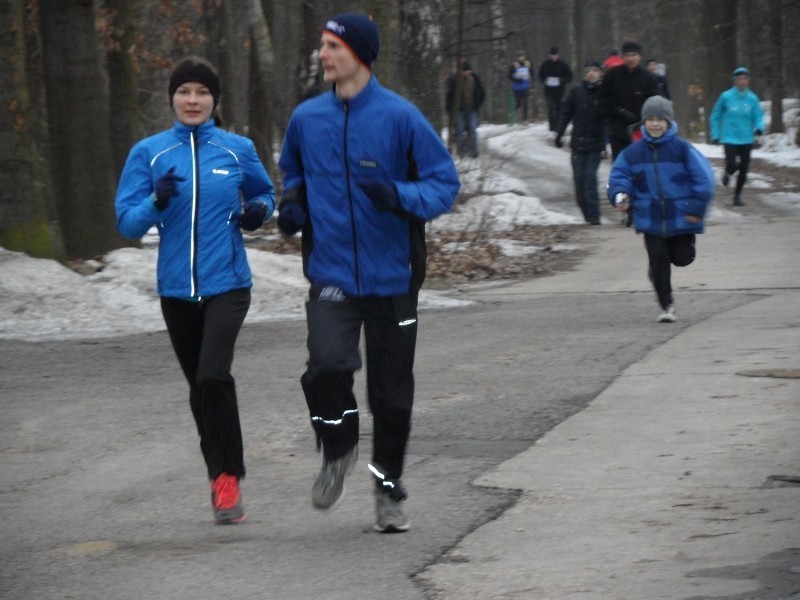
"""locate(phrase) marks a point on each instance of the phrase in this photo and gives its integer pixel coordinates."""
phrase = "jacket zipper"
(660, 192)
(350, 201)
(195, 210)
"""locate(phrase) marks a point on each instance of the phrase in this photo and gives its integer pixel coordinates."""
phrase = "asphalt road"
(104, 492)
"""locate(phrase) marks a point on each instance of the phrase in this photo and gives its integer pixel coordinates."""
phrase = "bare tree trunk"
(719, 30)
(453, 116)
(126, 124)
(262, 60)
(219, 23)
(26, 224)
(499, 81)
(776, 65)
(78, 117)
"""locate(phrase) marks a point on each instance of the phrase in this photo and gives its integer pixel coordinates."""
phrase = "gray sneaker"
(329, 487)
(390, 516)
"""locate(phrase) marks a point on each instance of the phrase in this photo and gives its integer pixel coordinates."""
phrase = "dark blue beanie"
(359, 33)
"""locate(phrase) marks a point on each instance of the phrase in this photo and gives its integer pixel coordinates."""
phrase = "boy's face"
(592, 74)
(656, 126)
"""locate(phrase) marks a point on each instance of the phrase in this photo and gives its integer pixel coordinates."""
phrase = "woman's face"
(193, 103)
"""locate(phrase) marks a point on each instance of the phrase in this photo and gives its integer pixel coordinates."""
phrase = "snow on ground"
(42, 299)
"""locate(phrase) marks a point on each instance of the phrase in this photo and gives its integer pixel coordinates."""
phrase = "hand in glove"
(166, 188)
(558, 142)
(253, 216)
(382, 193)
(291, 218)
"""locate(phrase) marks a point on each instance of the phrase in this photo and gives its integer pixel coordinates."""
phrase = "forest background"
(81, 81)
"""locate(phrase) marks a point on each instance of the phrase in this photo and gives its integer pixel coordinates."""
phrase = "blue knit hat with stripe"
(359, 33)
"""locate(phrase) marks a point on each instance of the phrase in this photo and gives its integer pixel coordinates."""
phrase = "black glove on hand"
(166, 188)
(253, 216)
(382, 193)
(558, 142)
(291, 218)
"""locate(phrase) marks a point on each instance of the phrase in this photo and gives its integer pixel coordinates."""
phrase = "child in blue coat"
(668, 185)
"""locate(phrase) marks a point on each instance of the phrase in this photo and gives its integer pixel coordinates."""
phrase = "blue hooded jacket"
(667, 180)
(330, 147)
(200, 252)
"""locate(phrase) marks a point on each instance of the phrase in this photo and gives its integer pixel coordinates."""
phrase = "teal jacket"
(736, 117)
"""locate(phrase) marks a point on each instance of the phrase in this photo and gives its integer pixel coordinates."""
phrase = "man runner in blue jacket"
(363, 171)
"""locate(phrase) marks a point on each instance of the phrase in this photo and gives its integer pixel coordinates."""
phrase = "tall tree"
(119, 39)
(718, 18)
(27, 221)
(261, 61)
(776, 65)
(77, 108)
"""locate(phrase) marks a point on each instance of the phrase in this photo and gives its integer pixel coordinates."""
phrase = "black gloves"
(253, 216)
(292, 211)
(558, 142)
(759, 132)
(166, 188)
(382, 193)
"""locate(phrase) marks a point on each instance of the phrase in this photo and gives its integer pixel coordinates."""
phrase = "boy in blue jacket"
(668, 185)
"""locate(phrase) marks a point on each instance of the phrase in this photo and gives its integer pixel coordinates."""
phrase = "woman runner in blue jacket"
(668, 184)
(198, 185)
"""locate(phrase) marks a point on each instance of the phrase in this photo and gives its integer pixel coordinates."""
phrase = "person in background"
(613, 60)
(587, 139)
(199, 185)
(622, 94)
(736, 121)
(657, 70)
(468, 108)
(554, 74)
(363, 171)
(521, 73)
(668, 185)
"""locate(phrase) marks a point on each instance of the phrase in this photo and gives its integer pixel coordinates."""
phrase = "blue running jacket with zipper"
(201, 251)
(330, 146)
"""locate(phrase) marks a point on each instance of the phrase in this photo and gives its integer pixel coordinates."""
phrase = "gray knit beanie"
(658, 106)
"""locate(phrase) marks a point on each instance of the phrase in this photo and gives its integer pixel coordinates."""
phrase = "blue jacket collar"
(360, 99)
(204, 131)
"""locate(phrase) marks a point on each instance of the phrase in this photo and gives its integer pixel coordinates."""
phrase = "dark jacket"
(480, 93)
(582, 108)
(623, 93)
(558, 69)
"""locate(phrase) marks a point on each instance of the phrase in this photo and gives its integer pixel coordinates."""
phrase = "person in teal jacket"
(668, 185)
(736, 121)
(363, 172)
(199, 185)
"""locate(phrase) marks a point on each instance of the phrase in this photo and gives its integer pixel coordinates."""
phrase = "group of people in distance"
(362, 172)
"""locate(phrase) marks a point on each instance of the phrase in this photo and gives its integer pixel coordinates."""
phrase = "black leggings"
(737, 158)
(334, 331)
(203, 335)
(678, 250)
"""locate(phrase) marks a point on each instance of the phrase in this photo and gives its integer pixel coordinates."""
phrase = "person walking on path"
(199, 185)
(468, 108)
(736, 121)
(587, 140)
(668, 185)
(363, 170)
(554, 74)
(622, 94)
(521, 73)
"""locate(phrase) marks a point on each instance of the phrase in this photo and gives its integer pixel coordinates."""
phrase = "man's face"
(554, 57)
(338, 63)
(652, 66)
(632, 59)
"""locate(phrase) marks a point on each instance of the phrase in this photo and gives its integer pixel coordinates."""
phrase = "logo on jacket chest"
(220, 171)
(366, 163)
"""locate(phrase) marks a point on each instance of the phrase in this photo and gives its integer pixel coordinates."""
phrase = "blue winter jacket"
(666, 179)
(200, 252)
(736, 117)
(330, 146)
